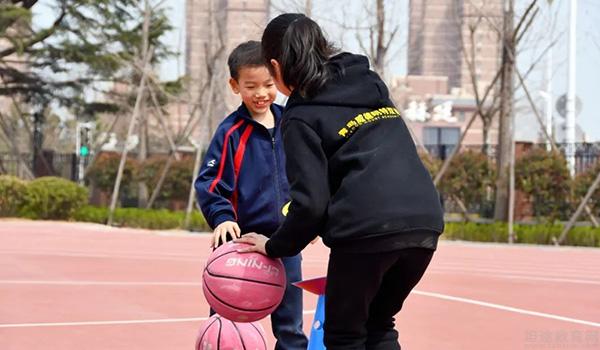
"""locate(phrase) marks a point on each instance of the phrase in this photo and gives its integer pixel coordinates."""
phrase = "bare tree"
(285, 6)
(478, 22)
(146, 55)
(505, 139)
(375, 39)
(209, 80)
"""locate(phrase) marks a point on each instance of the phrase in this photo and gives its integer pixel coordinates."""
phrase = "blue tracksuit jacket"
(242, 177)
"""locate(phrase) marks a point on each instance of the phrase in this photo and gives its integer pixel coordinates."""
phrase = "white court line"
(429, 294)
(111, 323)
(507, 308)
(99, 253)
(112, 256)
(195, 284)
(510, 276)
(526, 268)
(100, 283)
(539, 273)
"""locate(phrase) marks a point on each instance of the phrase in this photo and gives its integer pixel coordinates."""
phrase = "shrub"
(581, 185)
(525, 233)
(543, 176)
(13, 195)
(469, 177)
(90, 213)
(432, 164)
(103, 173)
(53, 198)
(470, 231)
(177, 182)
(154, 219)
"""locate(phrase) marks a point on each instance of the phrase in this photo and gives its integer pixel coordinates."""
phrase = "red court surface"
(84, 286)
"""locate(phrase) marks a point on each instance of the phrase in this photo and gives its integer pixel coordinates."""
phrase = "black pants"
(365, 292)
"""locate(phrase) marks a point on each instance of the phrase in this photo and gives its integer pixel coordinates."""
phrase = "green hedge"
(49, 198)
(13, 195)
(154, 219)
(532, 234)
(53, 198)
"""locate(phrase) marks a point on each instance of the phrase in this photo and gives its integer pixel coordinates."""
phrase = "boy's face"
(256, 88)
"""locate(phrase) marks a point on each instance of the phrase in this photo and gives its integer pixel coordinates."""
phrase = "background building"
(210, 25)
(451, 43)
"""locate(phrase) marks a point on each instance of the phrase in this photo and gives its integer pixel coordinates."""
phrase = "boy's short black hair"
(246, 54)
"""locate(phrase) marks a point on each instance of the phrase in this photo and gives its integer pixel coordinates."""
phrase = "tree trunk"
(506, 115)
(143, 152)
(486, 134)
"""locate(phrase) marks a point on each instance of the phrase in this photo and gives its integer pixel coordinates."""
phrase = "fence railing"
(48, 163)
(586, 154)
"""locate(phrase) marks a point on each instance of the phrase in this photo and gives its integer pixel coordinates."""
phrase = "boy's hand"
(221, 231)
(258, 243)
(315, 240)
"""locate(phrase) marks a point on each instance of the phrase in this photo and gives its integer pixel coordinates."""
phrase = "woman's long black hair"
(301, 49)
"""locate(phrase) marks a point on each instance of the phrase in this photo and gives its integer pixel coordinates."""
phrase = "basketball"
(243, 287)
(220, 333)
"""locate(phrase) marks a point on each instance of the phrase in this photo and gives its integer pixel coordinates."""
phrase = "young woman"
(356, 180)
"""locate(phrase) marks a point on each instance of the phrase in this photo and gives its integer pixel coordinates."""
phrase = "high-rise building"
(213, 29)
(451, 43)
(445, 36)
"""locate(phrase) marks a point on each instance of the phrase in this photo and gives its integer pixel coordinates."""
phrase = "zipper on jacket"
(277, 185)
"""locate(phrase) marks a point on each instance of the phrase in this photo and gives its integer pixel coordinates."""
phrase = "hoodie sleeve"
(216, 181)
(306, 167)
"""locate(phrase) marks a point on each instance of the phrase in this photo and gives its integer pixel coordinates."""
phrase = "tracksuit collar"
(245, 113)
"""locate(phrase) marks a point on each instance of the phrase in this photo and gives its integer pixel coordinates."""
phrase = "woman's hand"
(225, 228)
(257, 243)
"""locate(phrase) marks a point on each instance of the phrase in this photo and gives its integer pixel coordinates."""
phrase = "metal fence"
(48, 163)
(15, 165)
(586, 154)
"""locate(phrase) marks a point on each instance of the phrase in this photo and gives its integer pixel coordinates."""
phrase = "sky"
(329, 14)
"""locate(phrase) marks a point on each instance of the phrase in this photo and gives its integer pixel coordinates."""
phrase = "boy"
(242, 185)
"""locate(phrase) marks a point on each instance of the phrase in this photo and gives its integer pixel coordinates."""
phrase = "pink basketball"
(220, 333)
(243, 287)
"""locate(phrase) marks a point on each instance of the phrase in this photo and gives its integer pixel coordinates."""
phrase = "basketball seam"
(243, 279)
(217, 257)
(219, 334)
(261, 335)
(235, 307)
(205, 331)
(239, 334)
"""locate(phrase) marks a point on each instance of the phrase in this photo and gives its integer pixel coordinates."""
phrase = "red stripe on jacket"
(238, 159)
(224, 156)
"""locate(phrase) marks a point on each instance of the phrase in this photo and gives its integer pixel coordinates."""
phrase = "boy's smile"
(256, 88)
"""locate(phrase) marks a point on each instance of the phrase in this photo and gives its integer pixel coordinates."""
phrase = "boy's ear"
(234, 85)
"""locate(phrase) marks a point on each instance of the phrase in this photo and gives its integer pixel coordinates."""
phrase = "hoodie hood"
(353, 85)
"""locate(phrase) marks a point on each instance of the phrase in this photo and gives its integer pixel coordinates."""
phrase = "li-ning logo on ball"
(252, 263)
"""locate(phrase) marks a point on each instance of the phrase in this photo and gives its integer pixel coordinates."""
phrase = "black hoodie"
(355, 177)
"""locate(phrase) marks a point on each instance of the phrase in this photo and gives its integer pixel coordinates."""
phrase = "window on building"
(440, 141)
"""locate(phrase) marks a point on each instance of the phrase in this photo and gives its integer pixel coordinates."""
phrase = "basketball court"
(85, 286)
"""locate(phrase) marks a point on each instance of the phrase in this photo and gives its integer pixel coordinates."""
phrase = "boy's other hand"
(225, 228)
(257, 243)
